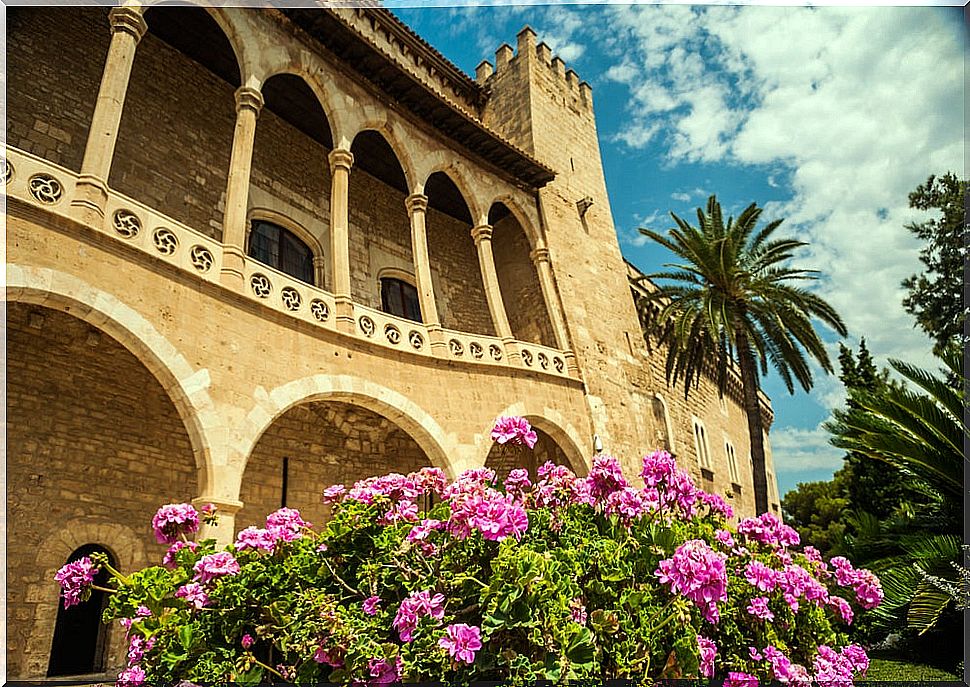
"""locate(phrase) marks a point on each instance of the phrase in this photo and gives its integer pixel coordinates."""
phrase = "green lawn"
(895, 669)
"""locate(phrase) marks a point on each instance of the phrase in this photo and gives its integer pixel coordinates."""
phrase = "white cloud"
(682, 197)
(796, 450)
(859, 104)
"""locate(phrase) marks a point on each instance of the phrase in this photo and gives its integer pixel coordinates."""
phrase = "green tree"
(816, 510)
(869, 486)
(935, 297)
(919, 435)
(733, 298)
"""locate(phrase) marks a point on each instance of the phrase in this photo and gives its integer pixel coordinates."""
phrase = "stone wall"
(175, 136)
(55, 57)
(517, 278)
(456, 275)
(325, 444)
(92, 437)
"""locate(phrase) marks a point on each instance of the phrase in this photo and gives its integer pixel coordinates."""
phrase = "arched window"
(400, 298)
(277, 247)
(80, 638)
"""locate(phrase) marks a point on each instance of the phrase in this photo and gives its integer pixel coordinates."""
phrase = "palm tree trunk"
(752, 408)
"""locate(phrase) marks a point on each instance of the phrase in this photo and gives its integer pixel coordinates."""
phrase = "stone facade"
(151, 360)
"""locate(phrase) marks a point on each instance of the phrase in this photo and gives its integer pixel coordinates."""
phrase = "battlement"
(539, 55)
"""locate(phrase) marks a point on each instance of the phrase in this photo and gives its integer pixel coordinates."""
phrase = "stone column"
(540, 258)
(319, 271)
(91, 196)
(249, 102)
(482, 235)
(417, 205)
(226, 510)
(340, 163)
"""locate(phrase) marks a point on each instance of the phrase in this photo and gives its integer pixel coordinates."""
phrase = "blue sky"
(825, 116)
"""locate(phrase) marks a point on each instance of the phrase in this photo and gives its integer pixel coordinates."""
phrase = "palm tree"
(731, 298)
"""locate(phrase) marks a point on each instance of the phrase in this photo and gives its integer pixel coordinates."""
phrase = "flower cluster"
(697, 572)
(768, 529)
(514, 430)
(76, 579)
(284, 525)
(214, 566)
(462, 641)
(415, 607)
(863, 582)
(175, 521)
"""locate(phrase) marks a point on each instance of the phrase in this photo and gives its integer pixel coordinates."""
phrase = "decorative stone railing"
(43, 184)
(280, 291)
(389, 330)
(542, 358)
(50, 186)
(475, 348)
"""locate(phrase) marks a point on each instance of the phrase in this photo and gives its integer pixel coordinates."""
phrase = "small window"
(700, 440)
(400, 298)
(732, 462)
(277, 247)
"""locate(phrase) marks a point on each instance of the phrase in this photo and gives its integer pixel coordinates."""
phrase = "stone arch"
(323, 98)
(557, 428)
(454, 172)
(173, 152)
(223, 19)
(532, 233)
(397, 142)
(186, 387)
(122, 543)
(396, 407)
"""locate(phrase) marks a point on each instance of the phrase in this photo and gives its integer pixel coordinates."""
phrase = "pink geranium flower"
(215, 565)
(514, 430)
(708, 650)
(132, 676)
(194, 594)
(370, 605)
(173, 521)
(76, 579)
(697, 572)
(462, 641)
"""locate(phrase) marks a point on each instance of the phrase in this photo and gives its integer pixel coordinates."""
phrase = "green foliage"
(935, 297)
(915, 435)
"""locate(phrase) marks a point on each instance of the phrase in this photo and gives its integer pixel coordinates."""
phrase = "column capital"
(223, 505)
(249, 98)
(340, 158)
(539, 255)
(483, 232)
(416, 202)
(128, 20)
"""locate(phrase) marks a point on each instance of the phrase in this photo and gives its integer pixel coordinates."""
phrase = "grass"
(889, 669)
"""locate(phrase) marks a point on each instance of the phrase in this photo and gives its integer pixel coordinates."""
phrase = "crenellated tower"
(543, 107)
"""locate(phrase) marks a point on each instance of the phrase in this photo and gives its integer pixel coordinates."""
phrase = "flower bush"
(566, 578)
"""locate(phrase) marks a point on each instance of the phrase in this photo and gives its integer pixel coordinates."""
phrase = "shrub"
(567, 578)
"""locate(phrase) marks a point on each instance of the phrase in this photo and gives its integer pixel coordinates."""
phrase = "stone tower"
(544, 108)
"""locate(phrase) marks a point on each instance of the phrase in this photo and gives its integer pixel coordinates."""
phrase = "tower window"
(277, 247)
(400, 298)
